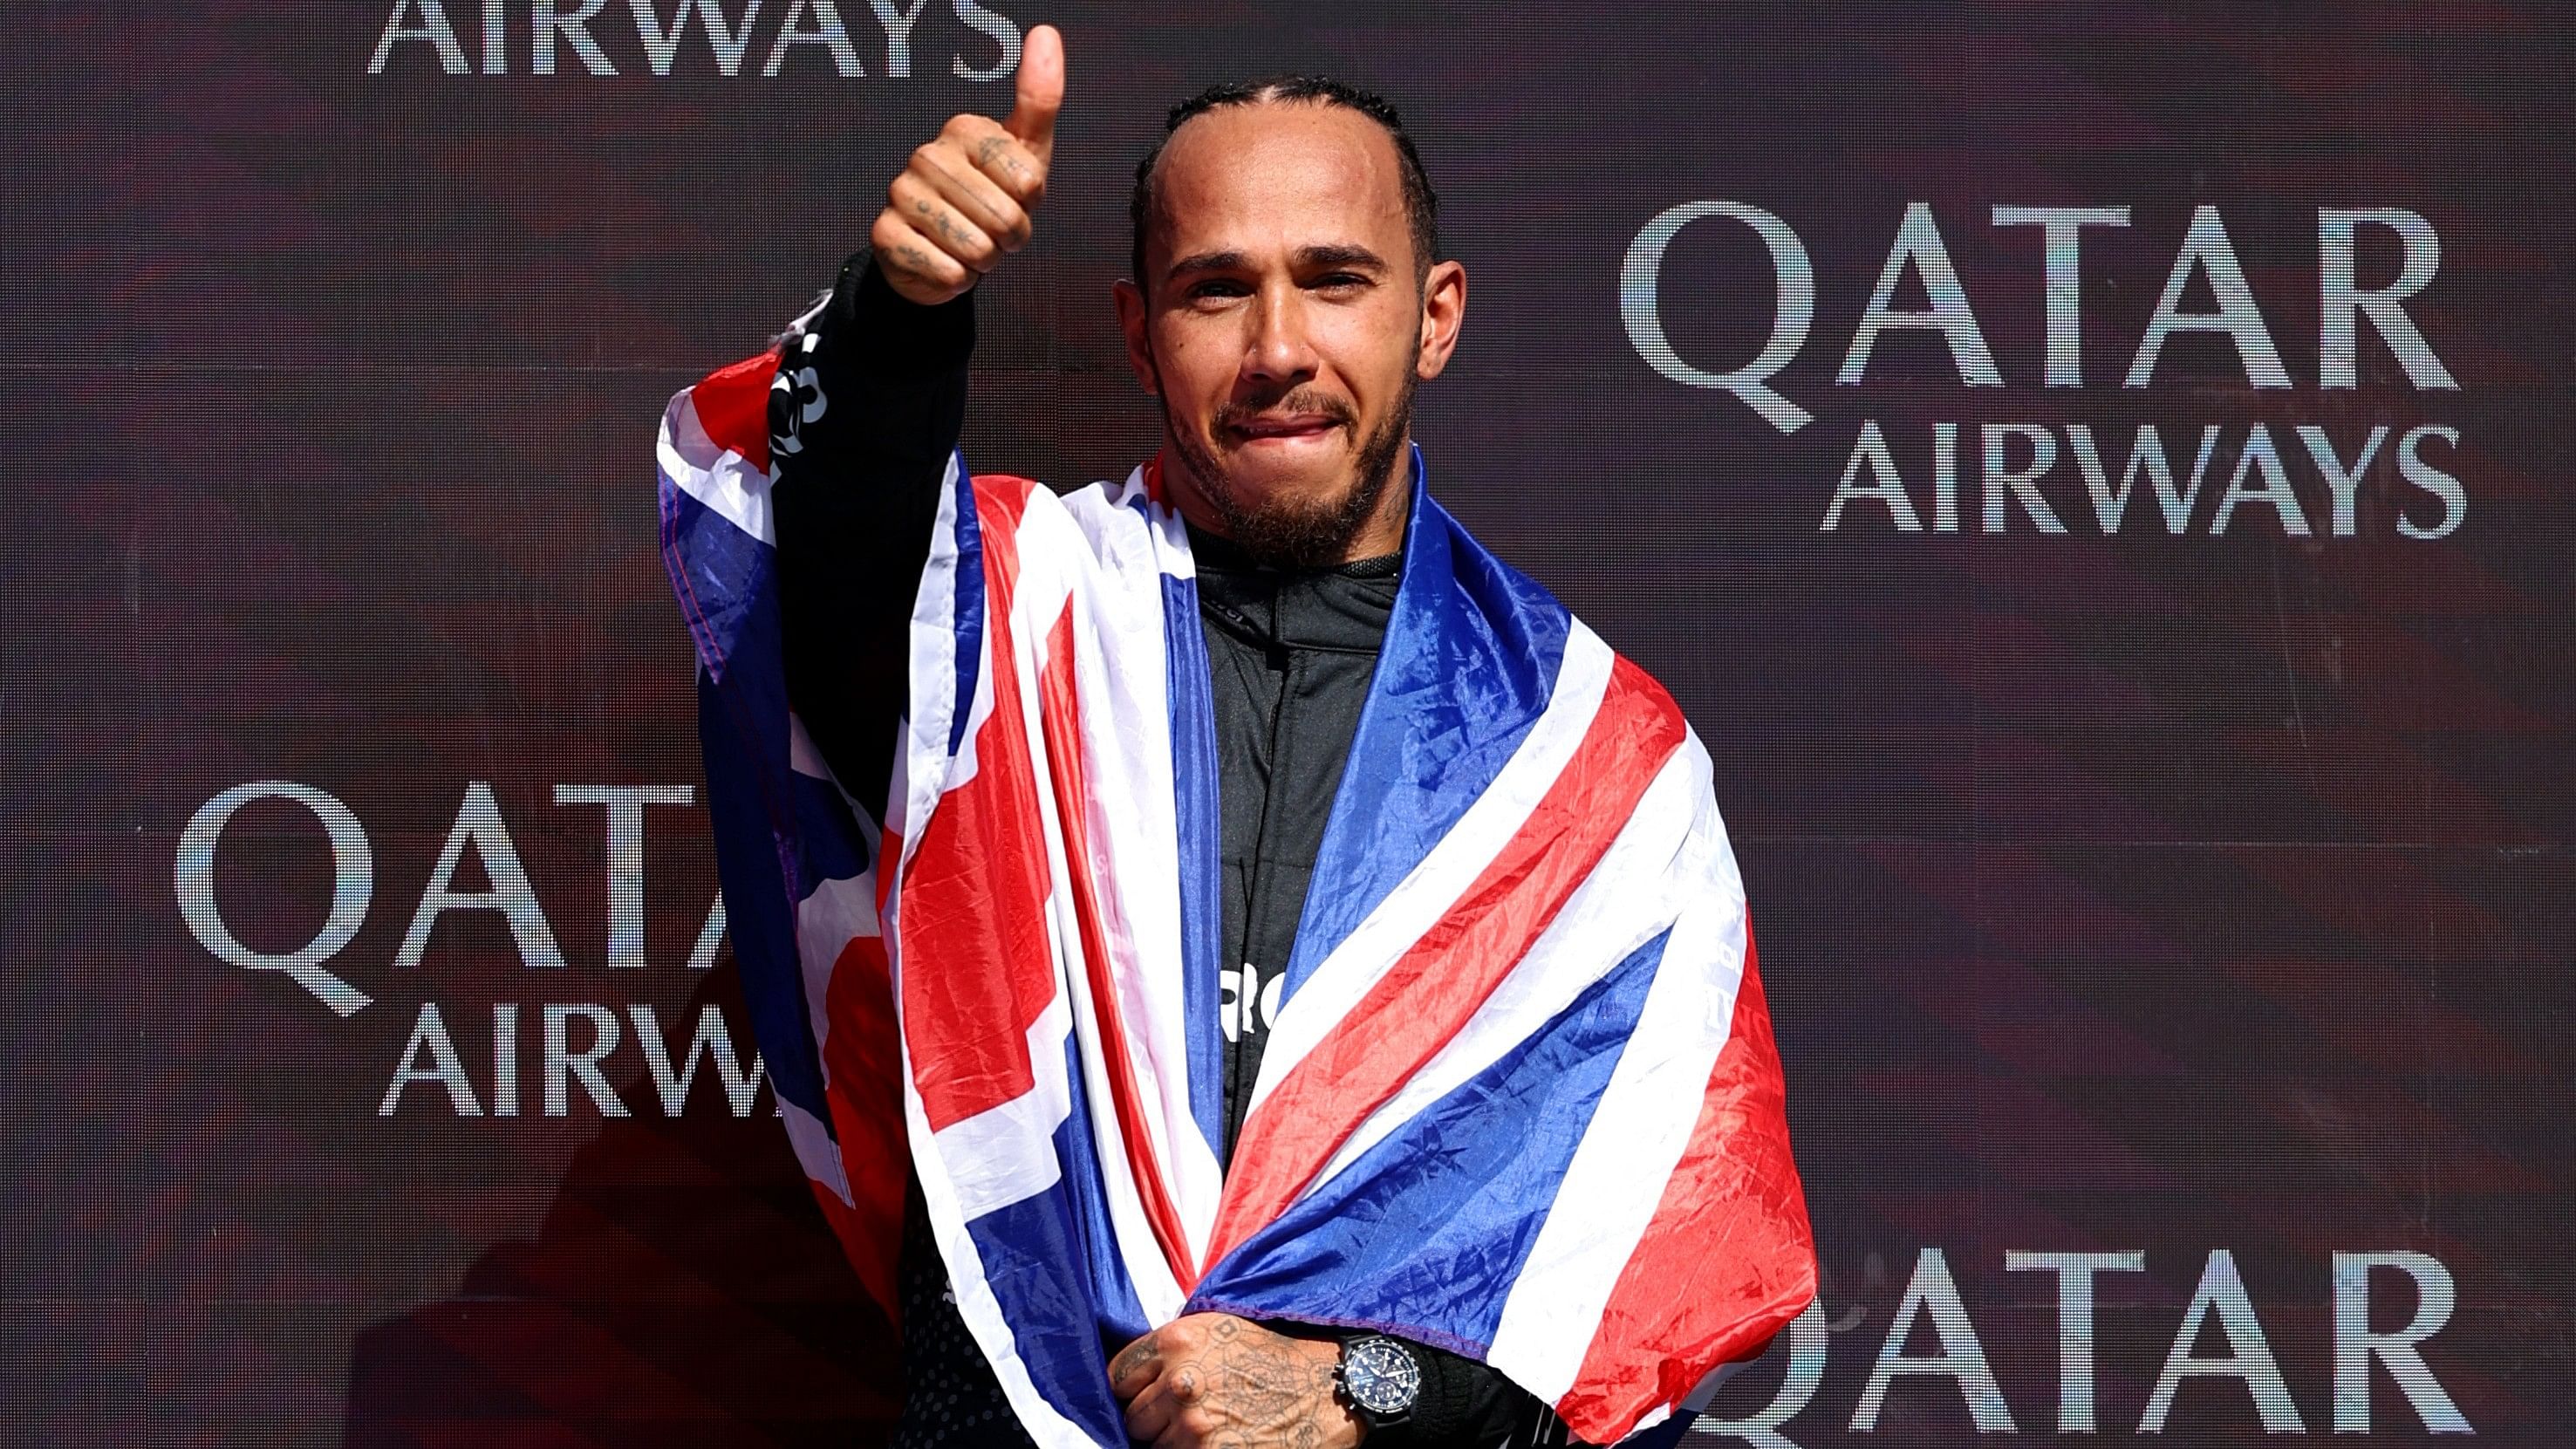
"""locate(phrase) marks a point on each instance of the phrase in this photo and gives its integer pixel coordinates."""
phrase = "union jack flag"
(1520, 1099)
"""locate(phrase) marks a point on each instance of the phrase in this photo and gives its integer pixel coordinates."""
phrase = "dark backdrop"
(2202, 894)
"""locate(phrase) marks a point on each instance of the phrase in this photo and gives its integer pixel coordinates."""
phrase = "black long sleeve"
(868, 407)
(870, 403)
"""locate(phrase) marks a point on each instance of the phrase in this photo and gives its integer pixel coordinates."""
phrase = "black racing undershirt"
(1290, 655)
(869, 405)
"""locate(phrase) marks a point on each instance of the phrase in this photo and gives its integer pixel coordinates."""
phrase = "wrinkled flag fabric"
(1520, 1100)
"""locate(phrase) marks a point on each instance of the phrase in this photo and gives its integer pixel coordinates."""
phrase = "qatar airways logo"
(2188, 476)
(695, 38)
(498, 1059)
(2193, 1388)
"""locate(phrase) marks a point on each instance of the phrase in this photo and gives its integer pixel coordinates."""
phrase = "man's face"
(1284, 330)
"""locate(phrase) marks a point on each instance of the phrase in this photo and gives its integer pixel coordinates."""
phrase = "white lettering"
(545, 23)
(562, 1063)
(353, 885)
(505, 1059)
(2146, 453)
(446, 1068)
(2342, 301)
(2249, 1355)
(661, 46)
(2412, 467)
(1962, 1358)
(702, 956)
(2355, 1344)
(2345, 482)
(1807, 1340)
(433, 28)
(997, 28)
(2021, 484)
(1918, 241)
(2205, 246)
(1945, 477)
(2060, 226)
(2075, 1322)
(1793, 308)
(1871, 447)
(2260, 456)
(828, 32)
(711, 1040)
(625, 852)
(478, 820)
(898, 25)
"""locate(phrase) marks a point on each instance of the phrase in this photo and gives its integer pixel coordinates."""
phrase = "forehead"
(1278, 175)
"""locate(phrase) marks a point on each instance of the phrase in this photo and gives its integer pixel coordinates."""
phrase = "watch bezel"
(1350, 1392)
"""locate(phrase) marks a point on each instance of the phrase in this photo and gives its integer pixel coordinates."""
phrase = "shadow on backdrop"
(683, 1290)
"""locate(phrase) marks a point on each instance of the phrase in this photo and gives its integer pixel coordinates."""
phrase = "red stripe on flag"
(977, 966)
(733, 407)
(1000, 499)
(863, 1077)
(1437, 984)
(1728, 1258)
(1061, 705)
(889, 850)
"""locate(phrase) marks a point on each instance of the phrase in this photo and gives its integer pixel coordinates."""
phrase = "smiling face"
(1284, 329)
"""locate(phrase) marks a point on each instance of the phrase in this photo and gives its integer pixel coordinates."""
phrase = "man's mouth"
(1285, 428)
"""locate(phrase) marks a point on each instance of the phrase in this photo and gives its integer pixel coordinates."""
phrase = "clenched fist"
(963, 201)
(1209, 1379)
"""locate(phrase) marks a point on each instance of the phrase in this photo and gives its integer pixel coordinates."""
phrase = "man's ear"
(1444, 310)
(1132, 322)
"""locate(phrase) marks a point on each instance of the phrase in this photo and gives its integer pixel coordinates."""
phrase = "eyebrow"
(1332, 254)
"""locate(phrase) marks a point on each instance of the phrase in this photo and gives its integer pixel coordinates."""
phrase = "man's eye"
(1338, 280)
(1218, 289)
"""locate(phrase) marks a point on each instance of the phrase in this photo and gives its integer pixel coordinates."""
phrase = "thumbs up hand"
(963, 201)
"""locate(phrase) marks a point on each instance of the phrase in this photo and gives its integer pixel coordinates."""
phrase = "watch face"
(1380, 1376)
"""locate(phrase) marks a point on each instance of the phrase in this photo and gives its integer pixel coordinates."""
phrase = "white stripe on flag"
(1428, 892)
(1618, 907)
(816, 1152)
(835, 914)
(718, 477)
(975, 1302)
(1121, 673)
(1049, 549)
(1007, 1154)
(926, 767)
(1644, 1119)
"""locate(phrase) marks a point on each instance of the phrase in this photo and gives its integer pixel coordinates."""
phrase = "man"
(1287, 299)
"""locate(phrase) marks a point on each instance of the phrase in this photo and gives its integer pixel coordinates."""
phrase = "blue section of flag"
(1468, 664)
(1113, 1293)
(829, 845)
(1471, 1179)
(1056, 1293)
(1195, 806)
(969, 623)
(765, 855)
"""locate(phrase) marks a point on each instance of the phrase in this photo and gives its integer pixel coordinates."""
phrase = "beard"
(1300, 532)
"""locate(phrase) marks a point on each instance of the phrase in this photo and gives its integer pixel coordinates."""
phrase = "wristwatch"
(1378, 1378)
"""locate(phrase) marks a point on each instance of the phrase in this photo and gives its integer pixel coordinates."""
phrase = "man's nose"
(1279, 349)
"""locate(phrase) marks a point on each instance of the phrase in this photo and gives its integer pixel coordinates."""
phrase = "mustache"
(1234, 415)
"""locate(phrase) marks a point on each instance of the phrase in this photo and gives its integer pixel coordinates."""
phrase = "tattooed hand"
(1215, 1380)
(964, 199)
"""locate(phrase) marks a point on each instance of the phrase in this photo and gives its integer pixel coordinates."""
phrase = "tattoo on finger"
(1133, 1359)
(998, 148)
